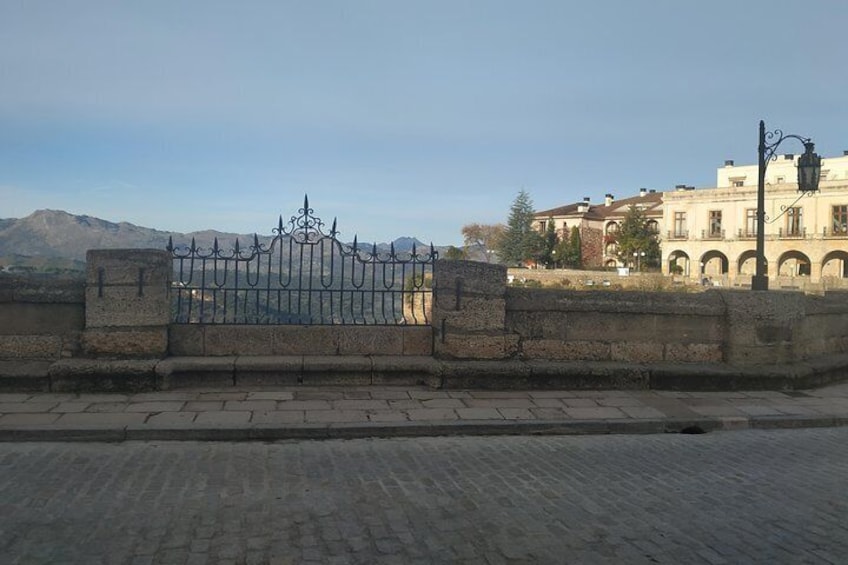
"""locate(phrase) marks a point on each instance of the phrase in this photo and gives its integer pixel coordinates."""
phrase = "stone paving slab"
(298, 411)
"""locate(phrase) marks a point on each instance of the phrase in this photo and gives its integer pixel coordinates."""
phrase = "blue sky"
(401, 118)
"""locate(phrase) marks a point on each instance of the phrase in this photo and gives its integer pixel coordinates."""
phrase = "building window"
(680, 224)
(612, 228)
(739, 183)
(653, 227)
(781, 180)
(715, 223)
(840, 220)
(751, 222)
(793, 221)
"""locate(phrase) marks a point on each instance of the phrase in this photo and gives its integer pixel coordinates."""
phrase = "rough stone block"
(539, 325)
(475, 314)
(355, 340)
(30, 319)
(305, 340)
(588, 326)
(468, 278)
(103, 375)
(42, 290)
(417, 340)
(186, 340)
(404, 370)
(238, 340)
(122, 306)
(125, 342)
(477, 346)
(126, 266)
(182, 372)
(560, 350)
(337, 370)
(694, 353)
(30, 347)
(636, 352)
(268, 370)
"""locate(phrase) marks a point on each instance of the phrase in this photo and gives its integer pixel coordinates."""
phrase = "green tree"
(568, 252)
(574, 256)
(634, 238)
(520, 240)
(549, 245)
(454, 253)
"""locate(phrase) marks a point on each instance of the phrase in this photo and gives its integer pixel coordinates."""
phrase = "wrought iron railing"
(301, 275)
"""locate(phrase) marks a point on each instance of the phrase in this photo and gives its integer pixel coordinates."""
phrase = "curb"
(415, 429)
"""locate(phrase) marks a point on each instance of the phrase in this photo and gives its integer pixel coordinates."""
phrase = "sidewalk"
(331, 412)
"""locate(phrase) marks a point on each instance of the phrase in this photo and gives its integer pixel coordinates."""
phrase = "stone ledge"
(103, 375)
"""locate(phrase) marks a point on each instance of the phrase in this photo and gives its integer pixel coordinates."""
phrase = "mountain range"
(57, 240)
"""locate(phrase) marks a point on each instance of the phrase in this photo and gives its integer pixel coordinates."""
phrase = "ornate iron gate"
(301, 275)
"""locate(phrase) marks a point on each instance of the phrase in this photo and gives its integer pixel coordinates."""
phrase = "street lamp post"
(809, 167)
(637, 255)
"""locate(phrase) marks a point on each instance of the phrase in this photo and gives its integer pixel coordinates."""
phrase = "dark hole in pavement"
(693, 430)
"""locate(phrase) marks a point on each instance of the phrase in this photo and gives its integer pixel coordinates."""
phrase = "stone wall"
(113, 331)
(41, 322)
(477, 316)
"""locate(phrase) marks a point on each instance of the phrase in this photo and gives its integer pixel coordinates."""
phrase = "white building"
(712, 231)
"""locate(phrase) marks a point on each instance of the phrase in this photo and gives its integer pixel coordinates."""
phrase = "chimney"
(728, 163)
(643, 192)
(679, 187)
(583, 207)
(690, 188)
(608, 199)
(789, 156)
(652, 191)
(844, 152)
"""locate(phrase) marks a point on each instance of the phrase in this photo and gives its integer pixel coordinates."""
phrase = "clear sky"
(400, 117)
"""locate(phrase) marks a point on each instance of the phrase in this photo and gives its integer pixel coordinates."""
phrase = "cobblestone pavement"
(301, 412)
(751, 496)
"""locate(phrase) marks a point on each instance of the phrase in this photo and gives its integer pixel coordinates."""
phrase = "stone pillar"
(469, 311)
(764, 328)
(815, 271)
(127, 303)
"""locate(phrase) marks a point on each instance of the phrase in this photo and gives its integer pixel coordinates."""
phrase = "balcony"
(792, 233)
(746, 234)
(712, 234)
(678, 234)
(841, 232)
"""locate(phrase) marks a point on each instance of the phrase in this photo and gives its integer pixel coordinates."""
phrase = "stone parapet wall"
(487, 319)
(113, 330)
(227, 340)
(637, 327)
(41, 318)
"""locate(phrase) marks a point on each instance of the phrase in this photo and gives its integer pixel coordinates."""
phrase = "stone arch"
(713, 263)
(835, 264)
(611, 263)
(681, 259)
(747, 263)
(611, 228)
(793, 264)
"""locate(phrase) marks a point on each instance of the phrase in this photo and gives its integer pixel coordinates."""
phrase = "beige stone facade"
(599, 224)
(712, 232)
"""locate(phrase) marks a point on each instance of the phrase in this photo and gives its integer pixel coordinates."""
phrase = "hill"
(54, 239)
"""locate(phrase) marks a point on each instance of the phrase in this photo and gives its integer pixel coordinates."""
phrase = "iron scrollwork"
(301, 275)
